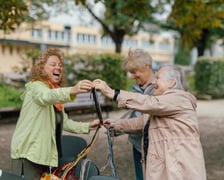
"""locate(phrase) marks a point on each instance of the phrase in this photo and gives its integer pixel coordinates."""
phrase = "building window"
(53, 35)
(56, 35)
(107, 41)
(86, 38)
(36, 33)
(80, 38)
(66, 36)
(130, 43)
(92, 39)
(164, 45)
(147, 44)
(49, 34)
(59, 35)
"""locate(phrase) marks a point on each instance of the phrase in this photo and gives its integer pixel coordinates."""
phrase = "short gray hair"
(172, 74)
(136, 59)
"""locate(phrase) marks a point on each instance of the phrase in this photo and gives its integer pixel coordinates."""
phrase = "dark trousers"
(138, 165)
(29, 169)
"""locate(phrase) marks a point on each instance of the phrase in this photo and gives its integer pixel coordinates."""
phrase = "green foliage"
(104, 66)
(130, 82)
(123, 17)
(112, 72)
(27, 60)
(191, 83)
(9, 96)
(25, 64)
(32, 54)
(209, 77)
(12, 13)
(120, 14)
(182, 57)
(197, 22)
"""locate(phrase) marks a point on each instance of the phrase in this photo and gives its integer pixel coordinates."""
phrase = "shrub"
(182, 57)
(100, 66)
(9, 96)
(97, 66)
(209, 77)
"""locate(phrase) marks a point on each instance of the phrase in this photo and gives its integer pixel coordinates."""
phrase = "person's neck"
(150, 75)
(52, 85)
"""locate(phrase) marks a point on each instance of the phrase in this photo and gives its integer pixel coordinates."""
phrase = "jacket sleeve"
(166, 104)
(74, 126)
(131, 125)
(44, 96)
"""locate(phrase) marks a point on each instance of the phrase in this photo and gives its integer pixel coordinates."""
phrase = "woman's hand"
(104, 88)
(108, 123)
(94, 124)
(82, 87)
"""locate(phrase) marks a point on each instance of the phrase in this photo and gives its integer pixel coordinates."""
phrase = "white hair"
(170, 73)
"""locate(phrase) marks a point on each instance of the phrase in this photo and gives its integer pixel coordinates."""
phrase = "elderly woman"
(36, 145)
(171, 143)
(139, 64)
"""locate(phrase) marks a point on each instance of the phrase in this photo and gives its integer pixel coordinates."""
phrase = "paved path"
(211, 123)
(212, 108)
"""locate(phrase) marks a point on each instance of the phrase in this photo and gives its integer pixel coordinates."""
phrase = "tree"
(121, 17)
(198, 22)
(14, 12)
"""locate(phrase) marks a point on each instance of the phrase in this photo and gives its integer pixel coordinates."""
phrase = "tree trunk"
(118, 47)
(201, 50)
(201, 44)
(118, 37)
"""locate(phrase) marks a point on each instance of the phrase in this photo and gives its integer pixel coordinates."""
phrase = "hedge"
(103, 66)
(209, 77)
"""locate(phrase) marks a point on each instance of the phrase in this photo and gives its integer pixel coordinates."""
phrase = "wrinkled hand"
(94, 124)
(108, 123)
(82, 87)
(104, 88)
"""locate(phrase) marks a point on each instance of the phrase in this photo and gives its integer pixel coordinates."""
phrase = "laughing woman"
(36, 145)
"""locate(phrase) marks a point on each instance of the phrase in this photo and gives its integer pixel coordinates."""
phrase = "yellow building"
(75, 39)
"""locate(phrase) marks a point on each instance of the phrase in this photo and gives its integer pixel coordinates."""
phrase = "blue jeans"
(138, 165)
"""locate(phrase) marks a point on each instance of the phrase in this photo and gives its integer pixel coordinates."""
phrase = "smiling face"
(53, 68)
(138, 64)
(142, 76)
(162, 83)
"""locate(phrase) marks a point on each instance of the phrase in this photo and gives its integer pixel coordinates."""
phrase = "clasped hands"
(86, 86)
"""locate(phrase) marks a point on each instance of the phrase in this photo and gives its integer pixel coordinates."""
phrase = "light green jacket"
(34, 136)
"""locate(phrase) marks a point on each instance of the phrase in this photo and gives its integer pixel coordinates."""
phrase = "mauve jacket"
(175, 151)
